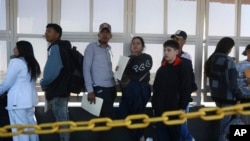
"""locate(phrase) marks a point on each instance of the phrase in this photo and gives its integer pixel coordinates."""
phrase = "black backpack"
(74, 65)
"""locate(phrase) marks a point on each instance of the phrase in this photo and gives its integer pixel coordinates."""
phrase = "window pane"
(190, 49)
(110, 11)
(2, 15)
(178, 19)
(80, 46)
(156, 52)
(76, 19)
(241, 57)
(40, 50)
(221, 23)
(117, 51)
(32, 16)
(245, 20)
(3, 58)
(149, 16)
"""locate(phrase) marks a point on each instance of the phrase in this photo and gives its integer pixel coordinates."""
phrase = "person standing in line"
(55, 81)
(244, 79)
(138, 91)
(171, 89)
(181, 37)
(20, 82)
(97, 71)
(222, 73)
(4, 120)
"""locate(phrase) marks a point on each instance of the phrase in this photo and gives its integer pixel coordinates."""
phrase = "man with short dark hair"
(97, 70)
(54, 81)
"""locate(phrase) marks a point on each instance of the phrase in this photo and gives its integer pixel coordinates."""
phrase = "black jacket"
(172, 87)
(223, 79)
(138, 66)
(59, 87)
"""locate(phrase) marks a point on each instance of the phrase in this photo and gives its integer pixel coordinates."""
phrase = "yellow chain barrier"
(131, 121)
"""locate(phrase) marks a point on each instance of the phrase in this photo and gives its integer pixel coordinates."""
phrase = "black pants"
(4, 116)
(168, 132)
(108, 95)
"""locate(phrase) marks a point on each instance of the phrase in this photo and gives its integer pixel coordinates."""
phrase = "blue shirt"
(52, 67)
(241, 67)
(97, 68)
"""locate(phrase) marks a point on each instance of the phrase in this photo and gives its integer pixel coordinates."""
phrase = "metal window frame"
(201, 40)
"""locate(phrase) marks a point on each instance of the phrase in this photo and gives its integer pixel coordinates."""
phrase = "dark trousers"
(108, 95)
(167, 132)
(133, 101)
(4, 116)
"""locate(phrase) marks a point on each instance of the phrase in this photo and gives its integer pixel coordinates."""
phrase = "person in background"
(243, 69)
(171, 89)
(54, 81)
(181, 37)
(97, 71)
(222, 74)
(4, 120)
(20, 82)
(138, 91)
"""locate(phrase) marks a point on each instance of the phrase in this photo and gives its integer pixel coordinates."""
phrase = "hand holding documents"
(122, 63)
(94, 109)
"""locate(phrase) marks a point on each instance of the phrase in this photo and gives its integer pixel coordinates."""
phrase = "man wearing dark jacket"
(55, 79)
(171, 89)
(180, 37)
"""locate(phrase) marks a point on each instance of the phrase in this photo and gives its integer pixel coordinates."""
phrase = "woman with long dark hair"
(222, 74)
(20, 82)
(138, 91)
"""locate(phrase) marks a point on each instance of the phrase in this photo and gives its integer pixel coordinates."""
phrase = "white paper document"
(122, 63)
(93, 109)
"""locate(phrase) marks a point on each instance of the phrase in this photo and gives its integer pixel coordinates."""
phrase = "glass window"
(242, 57)
(80, 46)
(2, 15)
(221, 23)
(76, 19)
(149, 16)
(3, 58)
(156, 52)
(178, 19)
(40, 49)
(110, 11)
(190, 49)
(245, 20)
(117, 51)
(32, 16)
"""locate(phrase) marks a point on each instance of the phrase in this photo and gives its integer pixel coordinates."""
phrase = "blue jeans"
(185, 134)
(59, 107)
(223, 123)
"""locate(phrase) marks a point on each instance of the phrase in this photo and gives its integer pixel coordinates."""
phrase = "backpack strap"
(143, 76)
